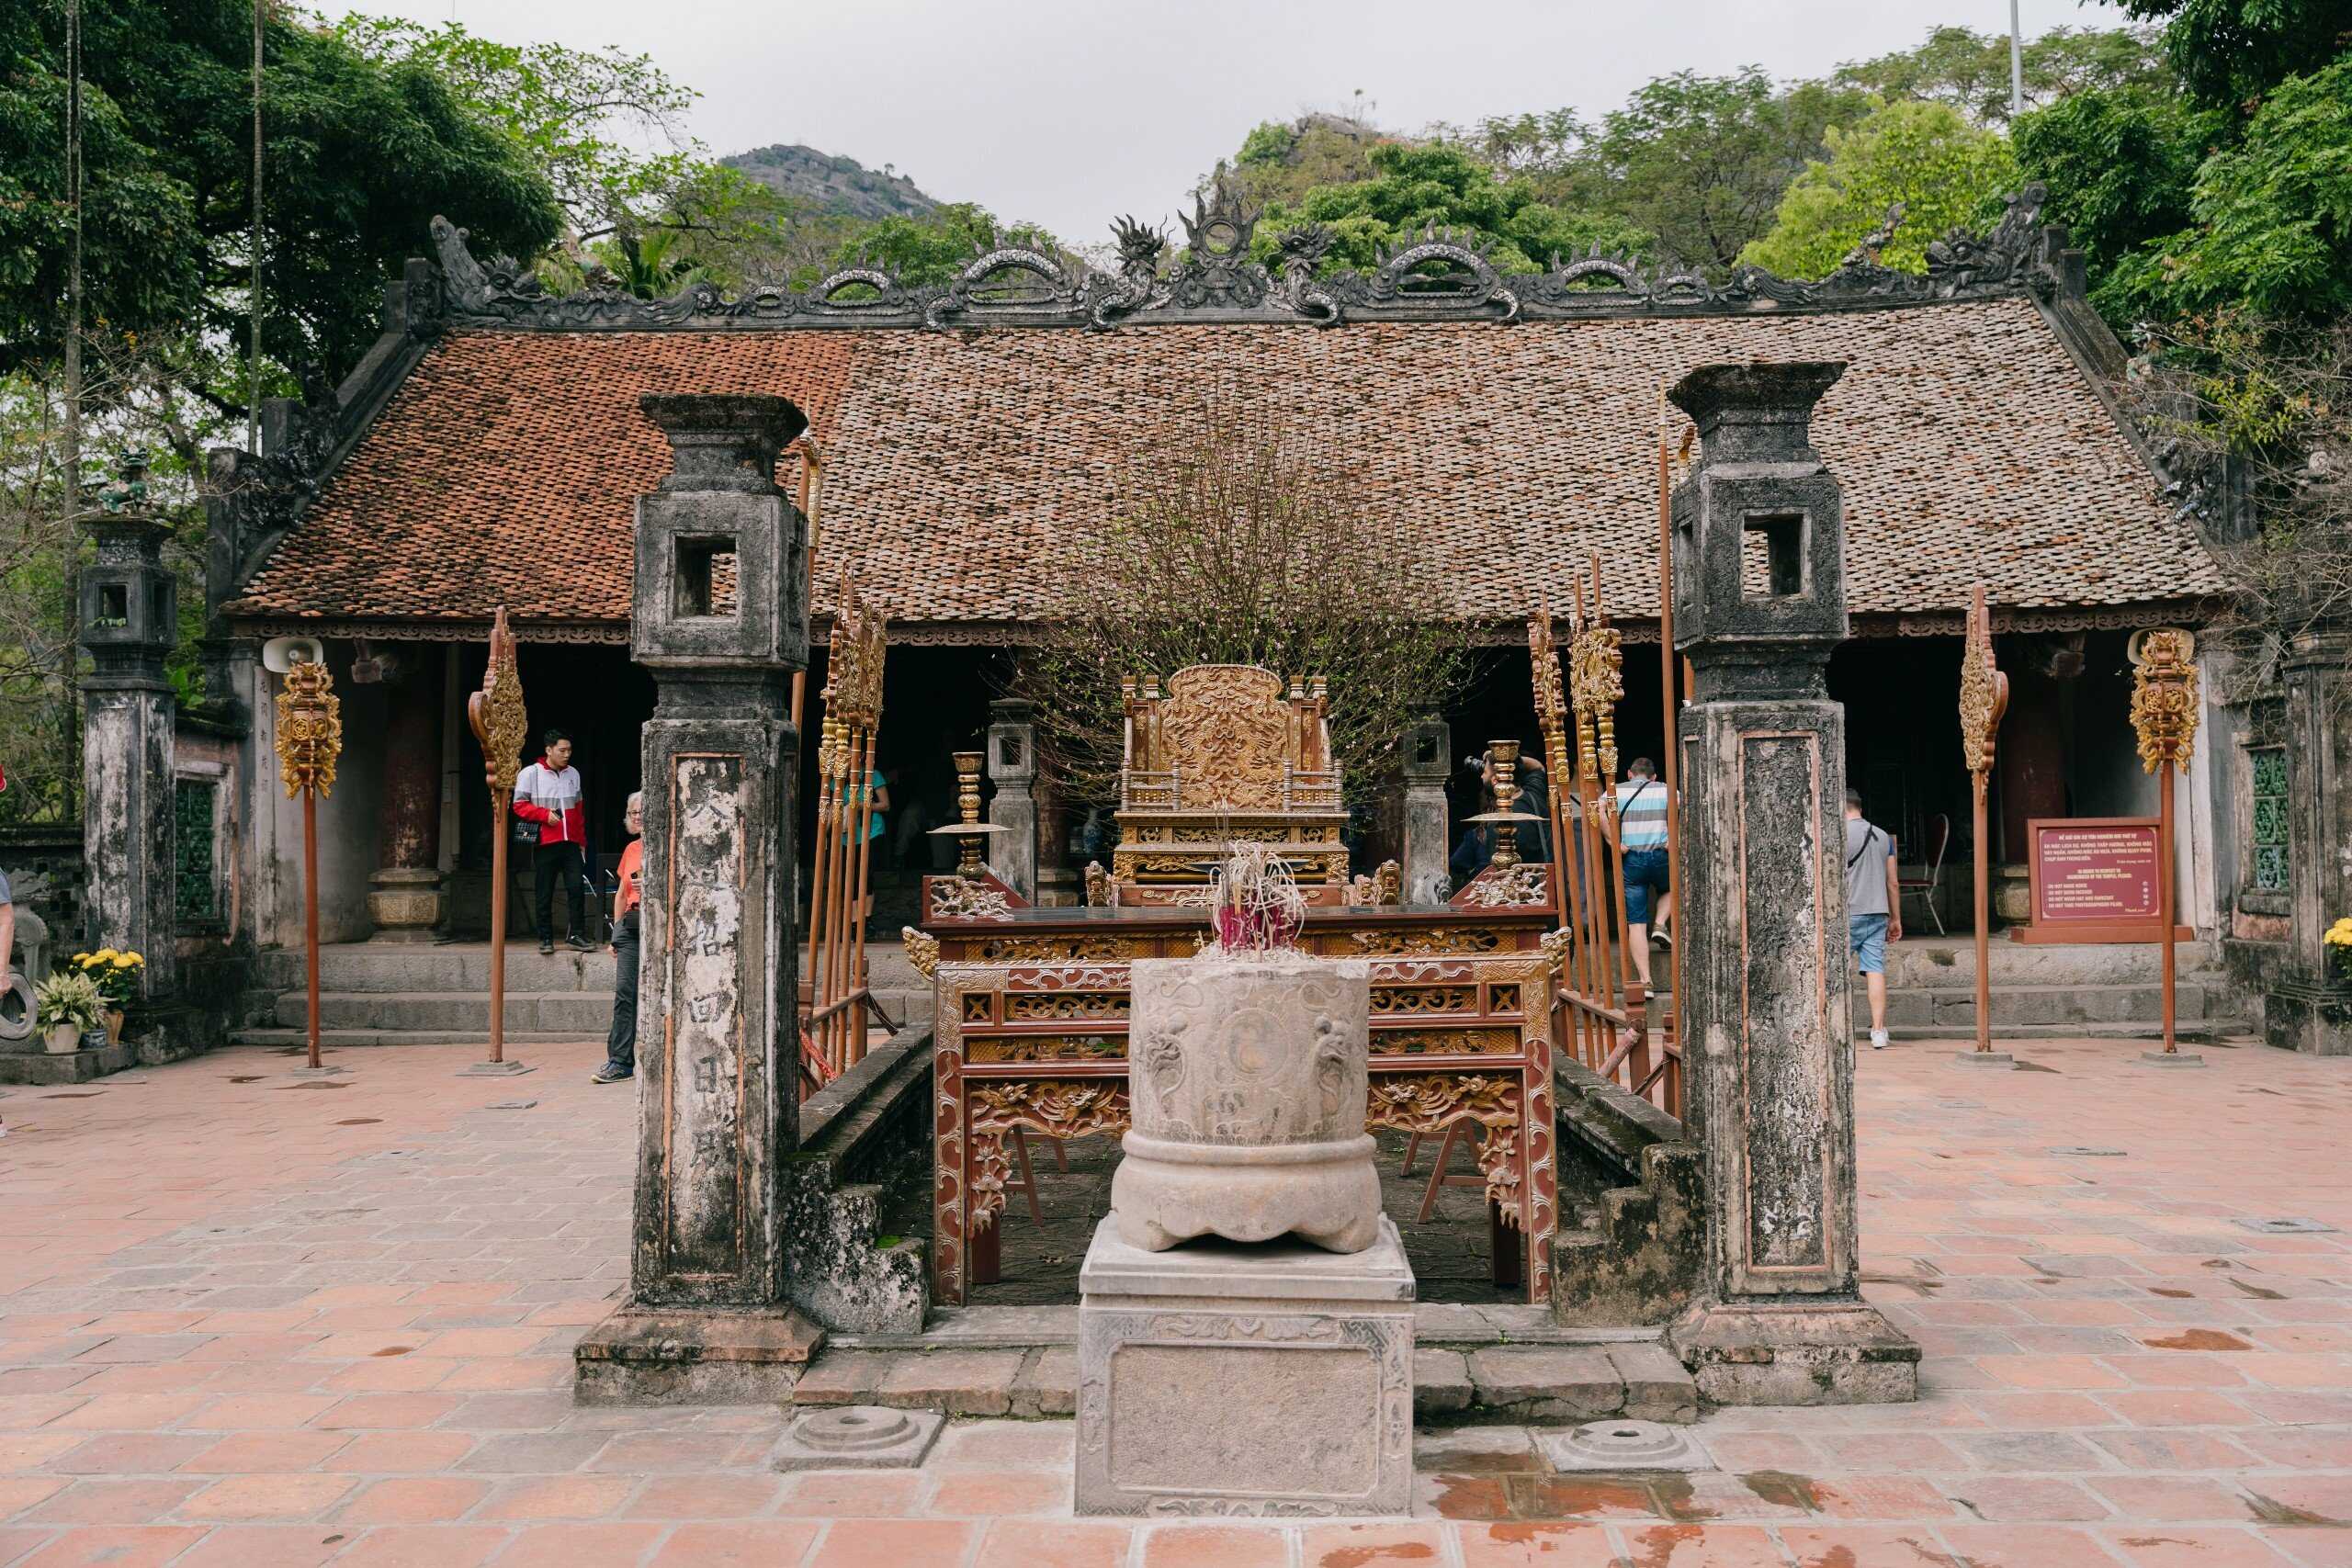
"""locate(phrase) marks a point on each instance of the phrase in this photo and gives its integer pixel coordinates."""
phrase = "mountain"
(833, 183)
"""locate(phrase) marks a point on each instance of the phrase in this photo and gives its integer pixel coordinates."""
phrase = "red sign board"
(2094, 879)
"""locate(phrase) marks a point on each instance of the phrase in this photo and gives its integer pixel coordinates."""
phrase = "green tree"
(936, 247)
(1701, 162)
(1925, 155)
(1969, 70)
(1280, 161)
(2121, 166)
(1414, 188)
(2230, 51)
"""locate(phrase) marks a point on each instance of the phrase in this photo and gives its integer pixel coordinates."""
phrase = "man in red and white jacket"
(548, 793)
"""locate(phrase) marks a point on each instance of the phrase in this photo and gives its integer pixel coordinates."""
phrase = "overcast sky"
(1072, 112)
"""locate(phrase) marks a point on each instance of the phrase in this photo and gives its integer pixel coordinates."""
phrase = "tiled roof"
(960, 464)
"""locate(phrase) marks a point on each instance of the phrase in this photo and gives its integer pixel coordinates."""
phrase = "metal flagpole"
(253, 382)
(2017, 65)
(70, 533)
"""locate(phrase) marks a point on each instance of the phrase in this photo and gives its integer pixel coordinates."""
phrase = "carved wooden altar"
(1032, 1033)
(1225, 755)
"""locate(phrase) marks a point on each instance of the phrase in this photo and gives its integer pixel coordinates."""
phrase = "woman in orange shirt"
(620, 1040)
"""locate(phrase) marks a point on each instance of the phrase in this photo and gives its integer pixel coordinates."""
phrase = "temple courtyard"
(250, 1320)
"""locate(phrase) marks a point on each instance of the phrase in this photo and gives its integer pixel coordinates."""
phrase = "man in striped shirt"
(1641, 833)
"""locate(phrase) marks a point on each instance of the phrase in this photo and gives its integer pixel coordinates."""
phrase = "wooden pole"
(1669, 735)
(308, 906)
(1983, 901)
(2164, 896)
(853, 1020)
(501, 803)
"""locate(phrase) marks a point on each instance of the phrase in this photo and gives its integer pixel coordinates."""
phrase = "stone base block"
(506, 1069)
(73, 1067)
(1800, 1353)
(404, 904)
(1219, 1378)
(2172, 1059)
(683, 1356)
(2000, 1061)
(2314, 1020)
(857, 1437)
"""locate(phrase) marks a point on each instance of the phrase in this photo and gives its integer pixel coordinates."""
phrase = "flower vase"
(62, 1039)
(113, 1017)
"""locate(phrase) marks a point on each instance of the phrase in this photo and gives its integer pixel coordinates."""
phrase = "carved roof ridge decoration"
(1435, 276)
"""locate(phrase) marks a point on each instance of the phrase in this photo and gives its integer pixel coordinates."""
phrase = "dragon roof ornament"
(1436, 276)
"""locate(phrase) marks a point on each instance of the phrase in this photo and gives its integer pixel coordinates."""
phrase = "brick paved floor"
(248, 1322)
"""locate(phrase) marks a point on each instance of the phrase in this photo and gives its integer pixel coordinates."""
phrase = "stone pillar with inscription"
(2309, 1008)
(1760, 604)
(1013, 767)
(1429, 758)
(721, 619)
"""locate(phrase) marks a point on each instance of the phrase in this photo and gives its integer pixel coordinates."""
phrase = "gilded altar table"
(1032, 1026)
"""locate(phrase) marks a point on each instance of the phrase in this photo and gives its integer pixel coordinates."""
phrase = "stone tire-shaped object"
(1248, 1082)
(18, 1008)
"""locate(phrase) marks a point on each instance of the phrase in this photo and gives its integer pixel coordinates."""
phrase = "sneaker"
(547, 947)
(1661, 936)
(578, 943)
(611, 1073)
(1878, 1039)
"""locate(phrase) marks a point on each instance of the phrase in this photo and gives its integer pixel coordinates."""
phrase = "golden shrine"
(1032, 1004)
(1226, 756)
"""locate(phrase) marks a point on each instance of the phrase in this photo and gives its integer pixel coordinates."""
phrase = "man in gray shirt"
(1873, 906)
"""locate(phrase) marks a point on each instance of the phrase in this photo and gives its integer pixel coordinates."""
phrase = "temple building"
(488, 453)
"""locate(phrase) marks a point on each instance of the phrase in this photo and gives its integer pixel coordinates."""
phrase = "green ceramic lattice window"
(194, 894)
(2270, 799)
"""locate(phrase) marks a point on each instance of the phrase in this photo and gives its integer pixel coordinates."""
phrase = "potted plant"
(68, 1004)
(116, 974)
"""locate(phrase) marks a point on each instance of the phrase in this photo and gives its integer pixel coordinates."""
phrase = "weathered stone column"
(721, 618)
(1428, 758)
(1012, 764)
(1760, 604)
(129, 622)
(404, 895)
(2308, 1008)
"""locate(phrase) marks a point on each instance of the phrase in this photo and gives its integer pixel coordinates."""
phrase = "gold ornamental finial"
(1983, 689)
(310, 729)
(496, 713)
(2164, 696)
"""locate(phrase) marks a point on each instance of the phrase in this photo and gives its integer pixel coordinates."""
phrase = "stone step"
(465, 966)
(1955, 1006)
(341, 1039)
(563, 1015)
(1933, 963)
(1541, 1385)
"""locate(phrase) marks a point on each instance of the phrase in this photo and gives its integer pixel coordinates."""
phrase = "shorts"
(1866, 935)
(1646, 884)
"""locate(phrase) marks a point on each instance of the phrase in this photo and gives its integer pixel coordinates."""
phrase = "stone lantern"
(129, 618)
(1767, 1034)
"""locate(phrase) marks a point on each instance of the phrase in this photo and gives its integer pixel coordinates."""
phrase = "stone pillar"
(129, 622)
(2309, 1010)
(708, 1318)
(1760, 604)
(404, 895)
(1012, 764)
(1428, 758)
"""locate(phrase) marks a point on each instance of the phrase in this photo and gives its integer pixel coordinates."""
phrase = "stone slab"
(1798, 1352)
(1214, 1387)
(1047, 1383)
(1546, 1383)
(2172, 1059)
(857, 1437)
(643, 1356)
(958, 1382)
(1659, 1387)
(73, 1067)
(1284, 1270)
(1440, 1381)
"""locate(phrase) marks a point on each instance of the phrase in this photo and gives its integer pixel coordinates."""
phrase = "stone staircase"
(2045, 991)
(414, 994)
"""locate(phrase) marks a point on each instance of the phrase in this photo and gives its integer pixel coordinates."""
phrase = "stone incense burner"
(1248, 1083)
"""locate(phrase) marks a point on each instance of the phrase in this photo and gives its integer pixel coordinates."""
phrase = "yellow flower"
(81, 958)
(125, 961)
(105, 955)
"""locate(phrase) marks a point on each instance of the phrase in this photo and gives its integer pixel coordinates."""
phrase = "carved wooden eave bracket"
(1436, 276)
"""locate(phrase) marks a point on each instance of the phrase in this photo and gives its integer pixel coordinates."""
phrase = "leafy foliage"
(1414, 188)
(2120, 165)
(935, 247)
(1924, 155)
(2229, 51)
(1240, 537)
(1970, 71)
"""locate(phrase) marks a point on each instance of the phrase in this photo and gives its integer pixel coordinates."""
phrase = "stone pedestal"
(1429, 752)
(1248, 1088)
(2309, 1010)
(2012, 897)
(1225, 1379)
(1765, 1013)
(1012, 766)
(404, 894)
(130, 608)
(707, 1316)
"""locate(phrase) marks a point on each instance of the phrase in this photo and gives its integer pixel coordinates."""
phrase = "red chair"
(1938, 840)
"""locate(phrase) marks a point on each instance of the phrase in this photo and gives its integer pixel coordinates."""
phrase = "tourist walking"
(547, 793)
(620, 1040)
(1873, 906)
(1640, 829)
